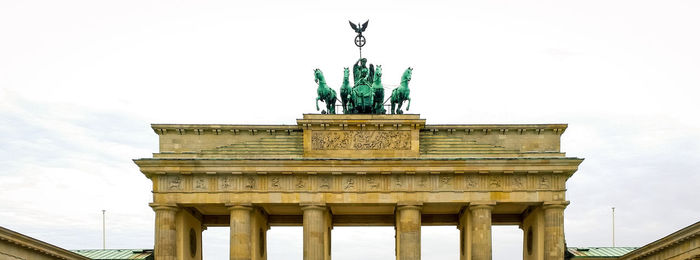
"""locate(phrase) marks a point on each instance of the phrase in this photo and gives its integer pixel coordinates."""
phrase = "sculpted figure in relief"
(300, 182)
(445, 180)
(471, 182)
(175, 183)
(544, 182)
(372, 183)
(517, 182)
(325, 182)
(225, 183)
(350, 183)
(250, 183)
(200, 183)
(494, 182)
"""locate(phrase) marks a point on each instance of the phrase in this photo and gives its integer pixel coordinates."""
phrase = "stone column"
(408, 221)
(464, 225)
(481, 230)
(554, 229)
(328, 225)
(240, 248)
(166, 235)
(314, 231)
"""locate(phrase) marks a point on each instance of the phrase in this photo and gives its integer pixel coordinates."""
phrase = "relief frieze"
(359, 183)
(361, 140)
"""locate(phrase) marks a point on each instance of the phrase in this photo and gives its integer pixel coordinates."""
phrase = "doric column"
(464, 225)
(166, 234)
(554, 229)
(314, 231)
(481, 230)
(408, 223)
(240, 248)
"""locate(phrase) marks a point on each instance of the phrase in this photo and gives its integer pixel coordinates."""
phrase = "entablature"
(312, 166)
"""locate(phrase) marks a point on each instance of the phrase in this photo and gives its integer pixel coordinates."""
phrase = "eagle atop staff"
(359, 28)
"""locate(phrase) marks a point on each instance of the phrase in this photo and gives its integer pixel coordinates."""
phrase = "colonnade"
(543, 231)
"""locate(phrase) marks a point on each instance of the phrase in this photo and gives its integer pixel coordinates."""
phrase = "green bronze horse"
(402, 93)
(325, 93)
(345, 91)
(378, 107)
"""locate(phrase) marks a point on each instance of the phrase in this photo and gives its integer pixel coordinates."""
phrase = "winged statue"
(359, 28)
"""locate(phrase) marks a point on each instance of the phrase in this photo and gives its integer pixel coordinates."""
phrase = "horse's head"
(378, 72)
(407, 75)
(318, 76)
(346, 73)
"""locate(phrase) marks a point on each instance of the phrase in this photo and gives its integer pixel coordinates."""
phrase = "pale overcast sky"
(80, 82)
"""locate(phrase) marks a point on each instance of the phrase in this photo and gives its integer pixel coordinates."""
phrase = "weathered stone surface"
(366, 170)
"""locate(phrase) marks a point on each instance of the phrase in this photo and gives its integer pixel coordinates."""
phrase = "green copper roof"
(599, 252)
(116, 254)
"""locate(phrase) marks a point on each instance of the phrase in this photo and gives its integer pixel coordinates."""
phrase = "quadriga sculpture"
(402, 93)
(325, 93)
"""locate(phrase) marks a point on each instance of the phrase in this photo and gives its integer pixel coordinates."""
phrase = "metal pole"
(103, 229)
(613, 226)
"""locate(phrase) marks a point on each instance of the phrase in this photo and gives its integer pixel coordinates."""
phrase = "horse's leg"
(392, 107)
(409, 104)
(398, 108)
(317, 98)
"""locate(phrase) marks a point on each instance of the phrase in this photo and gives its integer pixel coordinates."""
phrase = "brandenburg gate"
(358, 170)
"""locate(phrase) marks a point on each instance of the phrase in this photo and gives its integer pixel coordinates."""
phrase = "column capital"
(312, 206)
(555, 204)
(239, 206)
(164, 206)
(409, 205)
(482, 205)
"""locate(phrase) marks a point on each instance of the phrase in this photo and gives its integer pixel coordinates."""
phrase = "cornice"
(217, 129)
(675, 238)
(498, 128)
(38, 245)
(379, 123)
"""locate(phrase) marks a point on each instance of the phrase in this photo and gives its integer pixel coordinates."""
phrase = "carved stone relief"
(445, 182)
(250, 182)
(544, 182)
(518, 182)
(225, 182)
(349, 183)
(175, 183)
(372, 183)
(359, 183)
(201, 183)
(325, 183)
(472, 182)
(275, 183)
(495, 182)
(361, 140)
(299, 182)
